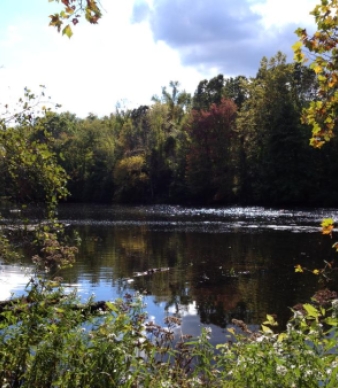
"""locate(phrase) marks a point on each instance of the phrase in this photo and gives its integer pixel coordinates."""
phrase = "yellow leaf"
(67, 31)
(298, 268)
(316, 143)
(317, 69)
(327, 221)
(270, 321)
(327, 226)
(266, 330)
(282, 337)
(297, 46)
(316, 271)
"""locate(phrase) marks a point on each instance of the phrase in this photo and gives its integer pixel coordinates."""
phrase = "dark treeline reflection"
(243, 274)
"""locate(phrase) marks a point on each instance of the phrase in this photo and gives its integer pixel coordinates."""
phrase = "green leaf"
(112, 306)
(221, 346)
(311, 310)
(331, 321)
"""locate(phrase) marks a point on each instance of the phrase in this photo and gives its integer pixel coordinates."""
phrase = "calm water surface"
(222, 263)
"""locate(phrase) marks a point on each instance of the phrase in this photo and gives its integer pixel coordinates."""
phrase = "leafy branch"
(321, 114)
(71, 13)
(325, 272)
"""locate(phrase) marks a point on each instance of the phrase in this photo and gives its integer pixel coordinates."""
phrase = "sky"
(138, 47)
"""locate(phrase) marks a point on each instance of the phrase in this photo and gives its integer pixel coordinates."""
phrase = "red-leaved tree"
(211, 161)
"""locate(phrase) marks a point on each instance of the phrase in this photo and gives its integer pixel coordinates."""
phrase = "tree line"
(234, 141)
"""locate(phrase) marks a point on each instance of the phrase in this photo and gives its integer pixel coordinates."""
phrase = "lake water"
(217, 263)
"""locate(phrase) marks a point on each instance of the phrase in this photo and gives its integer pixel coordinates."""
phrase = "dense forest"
(235, 141)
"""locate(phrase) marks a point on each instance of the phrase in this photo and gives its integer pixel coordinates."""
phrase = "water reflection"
(13, 279)
(224, 263)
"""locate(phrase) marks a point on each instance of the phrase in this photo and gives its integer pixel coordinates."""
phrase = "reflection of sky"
(13, 279)
(103, 290)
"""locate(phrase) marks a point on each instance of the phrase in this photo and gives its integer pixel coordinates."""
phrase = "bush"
(50, 339)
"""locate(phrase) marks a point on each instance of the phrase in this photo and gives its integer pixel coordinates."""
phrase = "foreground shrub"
(303, 356)
(50, 339)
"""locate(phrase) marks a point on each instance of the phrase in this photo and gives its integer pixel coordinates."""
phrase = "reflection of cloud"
(184, 310)
(13, 279)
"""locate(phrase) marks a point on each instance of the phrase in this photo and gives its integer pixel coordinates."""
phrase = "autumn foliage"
(321, 49)
(71, 13)
(209, 159)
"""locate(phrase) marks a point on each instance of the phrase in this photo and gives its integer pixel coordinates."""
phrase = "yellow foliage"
(127, 166)
(321, 45)
(130, 171)
(327, 226)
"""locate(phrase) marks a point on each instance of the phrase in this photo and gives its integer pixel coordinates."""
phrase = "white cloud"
(277, 13)
(97, 67)
(117, 60)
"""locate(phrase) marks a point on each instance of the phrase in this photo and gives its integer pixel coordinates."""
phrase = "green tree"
(212, 91)
(177, 101)
(274, 160)
(29, 168)
(209, 92)
(167, 157)
(89, 154)
(161, 151)
(234, 89)
(130, 173)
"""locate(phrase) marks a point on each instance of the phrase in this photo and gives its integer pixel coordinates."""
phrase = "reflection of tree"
(212, 312)
(227, 275)
(216, 304)
(179, 296)
(136, 249)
